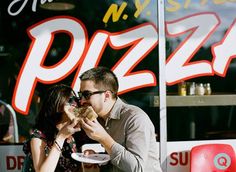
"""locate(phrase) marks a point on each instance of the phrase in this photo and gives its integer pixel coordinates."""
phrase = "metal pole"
(162, 85)
(13, 114)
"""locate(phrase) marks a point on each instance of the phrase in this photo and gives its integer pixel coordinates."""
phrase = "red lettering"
(20, 161)
(174, 156)
(183, 160)
(11, 162)
(179, 158)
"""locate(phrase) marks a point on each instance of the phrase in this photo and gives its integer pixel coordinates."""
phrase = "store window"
(199, 42)
(121, 35)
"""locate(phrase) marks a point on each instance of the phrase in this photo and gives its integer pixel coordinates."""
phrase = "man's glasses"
(88, 94)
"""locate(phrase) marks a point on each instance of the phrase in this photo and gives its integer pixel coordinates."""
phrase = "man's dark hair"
(103, 78)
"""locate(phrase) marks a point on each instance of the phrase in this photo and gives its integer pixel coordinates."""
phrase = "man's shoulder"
(134, 112)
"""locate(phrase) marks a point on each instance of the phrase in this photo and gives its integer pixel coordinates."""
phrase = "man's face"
(92, 96)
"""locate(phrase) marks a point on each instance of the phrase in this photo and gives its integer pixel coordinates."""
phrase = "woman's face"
(67, 117)
(63, 121)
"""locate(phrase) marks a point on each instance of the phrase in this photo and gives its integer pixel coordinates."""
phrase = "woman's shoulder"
(35, 134)
(38, 134)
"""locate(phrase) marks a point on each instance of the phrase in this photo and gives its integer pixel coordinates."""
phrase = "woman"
(51, 143)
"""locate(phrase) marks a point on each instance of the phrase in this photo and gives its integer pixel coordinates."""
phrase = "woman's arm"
(43, 163)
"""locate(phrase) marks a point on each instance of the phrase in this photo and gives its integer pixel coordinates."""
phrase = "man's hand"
(95, 131)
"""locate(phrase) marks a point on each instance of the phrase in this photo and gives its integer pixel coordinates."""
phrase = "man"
(124, 130)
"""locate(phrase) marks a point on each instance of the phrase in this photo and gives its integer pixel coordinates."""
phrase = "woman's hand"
(69, 129)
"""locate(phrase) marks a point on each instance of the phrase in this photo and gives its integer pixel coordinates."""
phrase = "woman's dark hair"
(52, 109)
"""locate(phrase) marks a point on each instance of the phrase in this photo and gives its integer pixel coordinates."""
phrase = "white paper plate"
(91, 158)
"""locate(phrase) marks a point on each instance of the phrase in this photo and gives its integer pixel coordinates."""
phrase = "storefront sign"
(190, 30)
(84, 54)
(178, 155)
(12, 158)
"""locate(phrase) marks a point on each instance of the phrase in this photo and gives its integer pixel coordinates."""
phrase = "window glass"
(199, 46)
(121, 35)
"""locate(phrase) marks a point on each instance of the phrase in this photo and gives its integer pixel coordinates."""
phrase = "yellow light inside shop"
(58, 6)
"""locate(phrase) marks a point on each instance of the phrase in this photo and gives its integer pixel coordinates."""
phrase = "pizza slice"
(80, 112)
